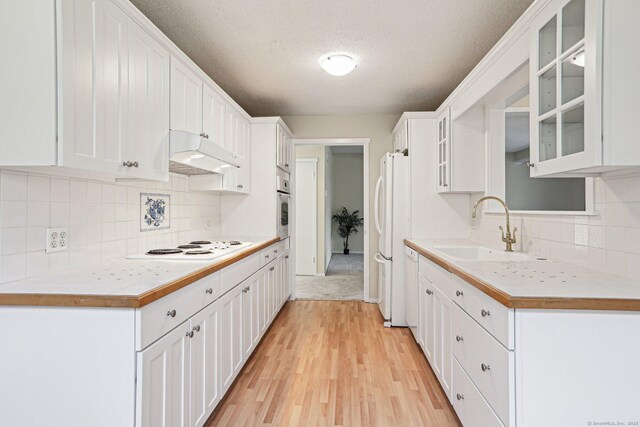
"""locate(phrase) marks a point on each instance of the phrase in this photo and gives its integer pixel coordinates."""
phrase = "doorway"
(331, 175)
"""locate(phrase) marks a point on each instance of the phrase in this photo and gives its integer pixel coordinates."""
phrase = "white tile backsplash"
(609, 241)
(103, 220)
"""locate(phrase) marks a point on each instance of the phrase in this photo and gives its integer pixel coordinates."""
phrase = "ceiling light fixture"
(338, 65)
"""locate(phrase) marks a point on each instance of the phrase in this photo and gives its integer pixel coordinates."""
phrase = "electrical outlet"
(208, 224)
(57, 240)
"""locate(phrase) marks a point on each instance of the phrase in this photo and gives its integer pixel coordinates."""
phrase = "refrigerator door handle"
(376, 207)
(379, 258)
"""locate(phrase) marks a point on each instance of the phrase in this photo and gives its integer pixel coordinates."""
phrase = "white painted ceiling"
(411, 53)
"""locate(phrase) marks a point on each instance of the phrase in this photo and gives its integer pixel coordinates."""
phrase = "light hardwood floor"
(332, 363)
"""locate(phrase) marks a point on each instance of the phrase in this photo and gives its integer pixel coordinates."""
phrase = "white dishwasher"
(411, 289)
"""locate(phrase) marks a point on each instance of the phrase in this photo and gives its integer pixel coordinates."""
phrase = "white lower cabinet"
(163, 380)
(231, 352)
(426, 328)
(468, 402)
(205, 364)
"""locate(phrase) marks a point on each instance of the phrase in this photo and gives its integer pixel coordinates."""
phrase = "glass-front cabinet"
(576, 78)
(444, 152)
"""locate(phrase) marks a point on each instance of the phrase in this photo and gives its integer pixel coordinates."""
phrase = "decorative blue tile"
(154, 211)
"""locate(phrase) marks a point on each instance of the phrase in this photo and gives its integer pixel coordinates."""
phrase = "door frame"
(314, 162)
(364, 143)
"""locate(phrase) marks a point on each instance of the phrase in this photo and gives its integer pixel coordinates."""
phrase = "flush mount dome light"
(338, 65)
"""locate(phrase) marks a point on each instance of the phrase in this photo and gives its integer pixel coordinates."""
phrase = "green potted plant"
(348, 224)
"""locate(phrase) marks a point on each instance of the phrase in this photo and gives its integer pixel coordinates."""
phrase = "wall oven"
(283, 215)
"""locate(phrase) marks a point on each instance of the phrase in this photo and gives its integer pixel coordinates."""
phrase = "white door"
(306, 219)
(148, 111)
(162, 381)
(204, 377)
(231, 354)
(186, 98)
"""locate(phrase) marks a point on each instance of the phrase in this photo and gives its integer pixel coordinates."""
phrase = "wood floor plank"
(332, 363)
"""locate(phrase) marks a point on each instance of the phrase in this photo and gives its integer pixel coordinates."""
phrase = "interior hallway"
(344, 280)
(332, 363)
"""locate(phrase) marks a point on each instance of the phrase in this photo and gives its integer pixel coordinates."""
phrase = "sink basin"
(479, 253)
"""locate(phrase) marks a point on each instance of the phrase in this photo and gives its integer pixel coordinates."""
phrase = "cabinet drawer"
(487, 362)
(469, 404)
(268, 255)
(156, 319)
(437, 275)
(237, 272)
(493, 316)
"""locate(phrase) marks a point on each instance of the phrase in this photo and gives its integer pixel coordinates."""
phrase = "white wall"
(317, 152)
(433, 214)
(378, 127)
(347, 183)
(608, 242)
(102, 217)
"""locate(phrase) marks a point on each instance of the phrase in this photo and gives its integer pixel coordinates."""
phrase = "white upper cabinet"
(401, 138)
(584, 111)
(112, 94)
(186, 98)
(284, 149)
(444, 152)
(148, 107)
(213, 115)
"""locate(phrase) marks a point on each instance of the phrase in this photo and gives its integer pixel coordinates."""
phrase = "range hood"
(191, 154)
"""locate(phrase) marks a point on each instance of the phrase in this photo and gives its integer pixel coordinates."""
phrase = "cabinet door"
(213, 115)
(442, 339)
(186, 98)
(427, 318)
(284, 152)
(93, 79)
(255, 310)
(148, 106)
(162, 381)
(231, 130)
(231, 352)
(264, 300)
(565, 87)
(205, 367)
(273, 289)
(444, 152)
(287, 274)
(248, 296)
(237, 180)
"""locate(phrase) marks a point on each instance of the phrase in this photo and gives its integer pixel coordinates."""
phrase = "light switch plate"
(57, 240)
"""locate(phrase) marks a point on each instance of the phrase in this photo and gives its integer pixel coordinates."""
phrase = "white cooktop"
(195, 251)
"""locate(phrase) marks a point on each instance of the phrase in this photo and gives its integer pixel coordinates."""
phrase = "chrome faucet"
(509, 239)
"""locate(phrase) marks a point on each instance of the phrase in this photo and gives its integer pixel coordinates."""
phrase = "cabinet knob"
(429, 292)
(459, 338)
(459, 396)
(286, 257)
(485, 367)
(204, 135)
(485, 313)
(530, 165)
(459, 293)
(240, 186)
(130, 164)
(171, 313)
(275, 251)
(196, 328)
(209, 291)
(266, 256)
(190, 334)
(272, 268)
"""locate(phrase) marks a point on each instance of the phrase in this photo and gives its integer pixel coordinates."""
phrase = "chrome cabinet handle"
(459, 293)
(196, 328)
(459, 338)
(130, 164)
(171, 313)
(286, 257)
(530, 165)
(209, 291)
(459, 396)
(272, 268)
(275, 250)
(266, 256)
(245, 290)
(204, 135)
(485, 367)
(240, 186)
(190, 334)
(429, 292)
(485, 313)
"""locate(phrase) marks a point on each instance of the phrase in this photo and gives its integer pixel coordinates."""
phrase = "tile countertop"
(535, 282)
(122, 283)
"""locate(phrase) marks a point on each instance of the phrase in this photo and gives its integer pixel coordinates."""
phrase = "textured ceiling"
(264, 53)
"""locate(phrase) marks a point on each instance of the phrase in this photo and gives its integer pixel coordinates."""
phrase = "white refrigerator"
(392, 220)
